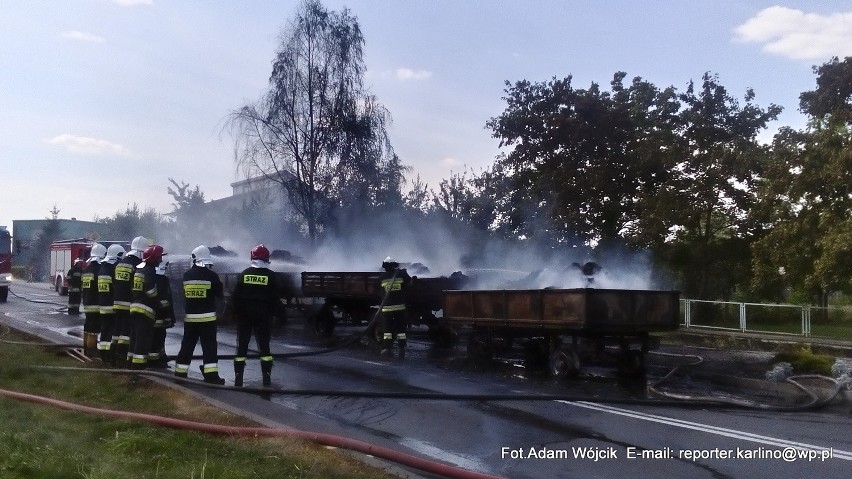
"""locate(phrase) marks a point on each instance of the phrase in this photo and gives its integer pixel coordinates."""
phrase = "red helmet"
(260, 252)
(153, 254)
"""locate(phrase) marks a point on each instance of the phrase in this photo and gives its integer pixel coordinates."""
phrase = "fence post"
(743, 325)
(687, 312)
(806, 321)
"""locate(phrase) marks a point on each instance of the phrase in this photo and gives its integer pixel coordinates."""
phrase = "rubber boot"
(119, 356)
(239, 368)
(106, 355)
(266, 370)
(401, 343)
(90, 344)
(387, 344)
(211, 378)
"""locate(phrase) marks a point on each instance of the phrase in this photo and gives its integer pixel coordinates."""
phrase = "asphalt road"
(518, 439)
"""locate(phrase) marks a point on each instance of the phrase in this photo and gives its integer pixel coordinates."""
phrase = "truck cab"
(5, 263)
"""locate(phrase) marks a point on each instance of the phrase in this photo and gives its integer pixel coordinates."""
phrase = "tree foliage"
(634, 165)
(806, 196)
(317, 131)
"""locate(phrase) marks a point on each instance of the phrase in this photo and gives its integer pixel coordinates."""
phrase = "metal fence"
(787, 319)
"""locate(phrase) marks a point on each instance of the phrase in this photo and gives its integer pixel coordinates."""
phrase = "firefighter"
(75, 282)
(165, 319)
(106, 276)
(123, 293)
(146, 301)
(201, 288)
(89, 296)
(255, 303)
(394, 319)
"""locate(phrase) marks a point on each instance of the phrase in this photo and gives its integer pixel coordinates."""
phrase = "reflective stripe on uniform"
(181, 368)
(200, 317)
(139, 359)
(392, 308)
(266, 358)
(240, 359)
(210, 368)
(143, 310)
(121, 305)
(394, 284)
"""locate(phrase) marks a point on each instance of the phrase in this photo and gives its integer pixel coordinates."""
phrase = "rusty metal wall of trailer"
(588, 309)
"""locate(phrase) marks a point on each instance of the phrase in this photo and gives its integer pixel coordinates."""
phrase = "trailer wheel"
(631, 364)
(479, 348)
(321, 323)
(564, 363)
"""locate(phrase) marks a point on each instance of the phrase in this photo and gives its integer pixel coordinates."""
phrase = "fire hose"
(318, 438)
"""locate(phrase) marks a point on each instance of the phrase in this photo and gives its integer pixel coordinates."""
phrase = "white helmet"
(138, 245)
(98, 252)
(201, 256)
(114, 252)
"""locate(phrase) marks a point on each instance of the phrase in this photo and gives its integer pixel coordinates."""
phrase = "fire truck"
(62, 256)
(64, 252)
(5, 262)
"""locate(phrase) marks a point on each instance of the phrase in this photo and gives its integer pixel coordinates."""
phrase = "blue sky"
(101, 101)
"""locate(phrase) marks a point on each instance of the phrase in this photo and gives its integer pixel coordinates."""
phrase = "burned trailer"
(354, 297)
(547, 317)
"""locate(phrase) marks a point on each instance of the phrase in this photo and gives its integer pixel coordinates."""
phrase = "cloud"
(77, 35)
(408, 74)
(450, 162)
(84, 145)
(132, 3)
(795, 34)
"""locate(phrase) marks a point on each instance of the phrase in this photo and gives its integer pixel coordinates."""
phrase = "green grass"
(38, 441)
(804, 360)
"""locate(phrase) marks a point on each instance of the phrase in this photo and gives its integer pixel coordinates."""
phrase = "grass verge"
(39, 441)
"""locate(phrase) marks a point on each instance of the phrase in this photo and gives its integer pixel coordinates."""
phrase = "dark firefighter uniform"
(165, 318)
(143, 313)
(201, 288)
(123, 296)
(255, 304)
(75, 283)
(106, 274)
(91, 307)
(394, 319)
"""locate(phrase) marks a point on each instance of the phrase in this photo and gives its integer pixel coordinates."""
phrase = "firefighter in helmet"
(255, 302)
(75, 282)
(106, 299)
(146, 301)
(165, 319)
(201, 288)
(91, 304)
(123, 293)
(394, 319)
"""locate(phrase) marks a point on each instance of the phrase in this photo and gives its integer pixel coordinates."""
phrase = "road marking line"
(747, 436)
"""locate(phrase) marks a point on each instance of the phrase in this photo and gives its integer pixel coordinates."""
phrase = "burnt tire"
(631, 364)
(480, 349)
(564, 364)
(321, 324)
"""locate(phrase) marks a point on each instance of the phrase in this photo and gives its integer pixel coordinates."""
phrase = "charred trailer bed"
(603, 315)
(356, 295)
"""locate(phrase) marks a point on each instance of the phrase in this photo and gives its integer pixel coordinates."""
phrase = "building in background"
(25, 233)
